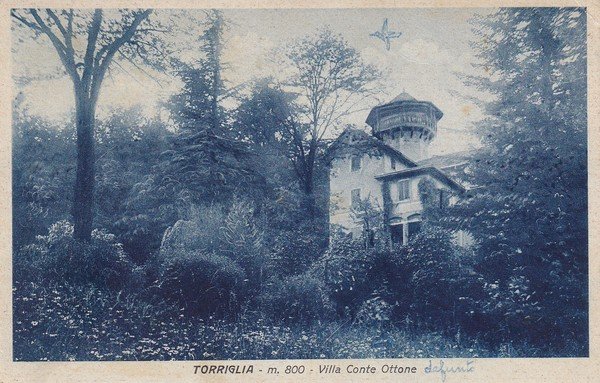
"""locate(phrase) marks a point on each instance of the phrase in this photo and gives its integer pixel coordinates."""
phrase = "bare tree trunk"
(83, 200)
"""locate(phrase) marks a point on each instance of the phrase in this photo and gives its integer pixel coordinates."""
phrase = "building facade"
(383, 170)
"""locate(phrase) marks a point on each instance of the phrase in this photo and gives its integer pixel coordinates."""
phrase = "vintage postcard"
(278, 191)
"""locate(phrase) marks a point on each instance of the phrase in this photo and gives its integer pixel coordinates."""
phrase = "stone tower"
(406, 124)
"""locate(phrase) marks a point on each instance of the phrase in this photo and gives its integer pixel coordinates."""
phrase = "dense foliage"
(212, 234)
(101, 261)
(530, 216)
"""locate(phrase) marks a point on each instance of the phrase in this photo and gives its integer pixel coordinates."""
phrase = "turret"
(406, 124)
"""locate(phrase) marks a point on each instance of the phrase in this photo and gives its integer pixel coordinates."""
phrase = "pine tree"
(206, 162)
(530, 213)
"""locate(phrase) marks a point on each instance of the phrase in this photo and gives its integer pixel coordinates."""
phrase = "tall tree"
(331, 80)
(206, 161)
(263, 119)
(127, 34)
(530, 214)
(200, 101)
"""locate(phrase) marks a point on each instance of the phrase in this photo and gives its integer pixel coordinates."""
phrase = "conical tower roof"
(403, 97)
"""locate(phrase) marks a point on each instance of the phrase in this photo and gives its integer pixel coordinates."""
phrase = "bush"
(295, 250)
(348, 270)
(434, 282)
(299, 299)
(59, 257)
(374, 311)
(68, 322)
(230, 232)
(201, 283)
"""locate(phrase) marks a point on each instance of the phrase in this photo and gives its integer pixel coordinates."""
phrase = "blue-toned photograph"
(250, 184)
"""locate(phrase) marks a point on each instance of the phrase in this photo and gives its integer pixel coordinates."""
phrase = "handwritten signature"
(443, 369)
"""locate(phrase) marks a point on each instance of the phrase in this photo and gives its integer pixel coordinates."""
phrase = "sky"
(424, 61)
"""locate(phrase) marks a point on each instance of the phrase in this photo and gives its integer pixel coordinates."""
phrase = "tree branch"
(130, 60)
(57, 22)
(66, 57)
(106, 54)
(88, 60)
(24, 21)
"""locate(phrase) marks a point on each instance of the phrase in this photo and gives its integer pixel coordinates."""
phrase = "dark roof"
(448, 160)
(432, 171)
(368, 139)
(403, 97)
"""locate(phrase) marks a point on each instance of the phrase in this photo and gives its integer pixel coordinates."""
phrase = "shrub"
(295, 250)
(201, 283)
(230, 233)
(374, 311)
(243, 241)
(434, 282)
(347, 269)
(58, 257)
(199, 231)
(148, 211)
(299, 299)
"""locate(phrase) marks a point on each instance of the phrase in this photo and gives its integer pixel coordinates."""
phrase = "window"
(397, 234)
(356, 163)
(403, 190)
(355, 197)
(393, 163)
(413, 228)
